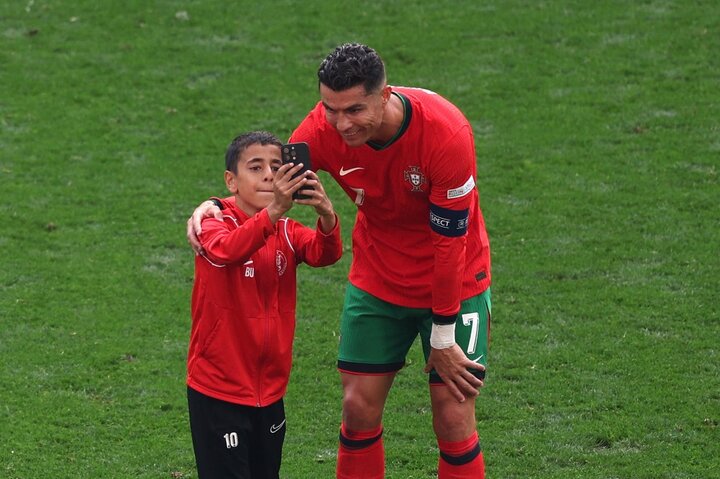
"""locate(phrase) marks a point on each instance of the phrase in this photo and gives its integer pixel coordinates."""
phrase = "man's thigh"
(375, 336)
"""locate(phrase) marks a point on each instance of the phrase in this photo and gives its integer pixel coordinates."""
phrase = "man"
(421, 257)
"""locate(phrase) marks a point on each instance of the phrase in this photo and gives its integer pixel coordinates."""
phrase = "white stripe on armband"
(442, 336)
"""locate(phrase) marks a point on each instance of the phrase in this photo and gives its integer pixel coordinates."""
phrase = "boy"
(243, 309)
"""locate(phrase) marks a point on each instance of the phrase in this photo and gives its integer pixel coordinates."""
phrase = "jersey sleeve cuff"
(443, 319)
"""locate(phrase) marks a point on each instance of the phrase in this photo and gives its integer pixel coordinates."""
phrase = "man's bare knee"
(364, 400)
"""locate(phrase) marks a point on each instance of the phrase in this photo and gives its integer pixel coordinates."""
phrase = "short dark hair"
(352, 64)
(241, 142)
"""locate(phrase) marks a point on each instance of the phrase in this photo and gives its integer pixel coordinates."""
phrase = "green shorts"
(375, 336)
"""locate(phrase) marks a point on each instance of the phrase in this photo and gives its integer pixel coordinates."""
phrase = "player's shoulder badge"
(463, 190)
(415, 177)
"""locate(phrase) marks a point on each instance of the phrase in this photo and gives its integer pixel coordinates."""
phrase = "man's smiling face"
(356, 114)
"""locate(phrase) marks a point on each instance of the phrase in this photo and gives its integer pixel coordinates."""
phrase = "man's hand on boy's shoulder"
(206, 209)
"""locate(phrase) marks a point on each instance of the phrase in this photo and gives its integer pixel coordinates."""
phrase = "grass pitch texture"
(598, 139)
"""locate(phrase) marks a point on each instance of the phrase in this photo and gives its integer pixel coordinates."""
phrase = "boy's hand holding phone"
(310, 191)
(318, 199)
(285, 186)
(298, 154)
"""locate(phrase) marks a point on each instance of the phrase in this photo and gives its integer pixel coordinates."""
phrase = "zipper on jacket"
(263, 285)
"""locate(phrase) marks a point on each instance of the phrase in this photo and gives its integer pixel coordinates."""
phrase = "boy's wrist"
(328, 222)
(274, 212)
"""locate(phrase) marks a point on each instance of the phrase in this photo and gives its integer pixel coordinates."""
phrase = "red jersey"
(419, 238)
(243, 303)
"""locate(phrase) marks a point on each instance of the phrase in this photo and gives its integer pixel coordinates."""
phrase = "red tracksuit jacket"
(243, 303)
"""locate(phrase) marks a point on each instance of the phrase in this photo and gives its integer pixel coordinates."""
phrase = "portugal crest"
(414, 176)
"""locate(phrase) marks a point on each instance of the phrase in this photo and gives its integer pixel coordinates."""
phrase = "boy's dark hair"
(352, 64)
(241, 142)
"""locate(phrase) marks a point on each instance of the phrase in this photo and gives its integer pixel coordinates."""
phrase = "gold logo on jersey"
(414, 176)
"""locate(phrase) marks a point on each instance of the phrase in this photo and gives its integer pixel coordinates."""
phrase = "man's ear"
(386, 92)
(231, 182)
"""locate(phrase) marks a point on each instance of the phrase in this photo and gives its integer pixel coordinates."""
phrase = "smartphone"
(298, 153)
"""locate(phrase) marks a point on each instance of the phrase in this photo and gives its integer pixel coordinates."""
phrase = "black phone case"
(298, 153)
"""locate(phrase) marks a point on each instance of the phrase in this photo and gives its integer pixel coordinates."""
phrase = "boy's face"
(252, 182)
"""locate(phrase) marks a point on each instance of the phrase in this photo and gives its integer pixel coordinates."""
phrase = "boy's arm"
(322, 246)
(211, 208)
(225, 246)
(316, 247)
(327, 222)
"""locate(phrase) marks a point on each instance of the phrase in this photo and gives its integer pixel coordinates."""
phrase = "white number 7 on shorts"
(474, 320)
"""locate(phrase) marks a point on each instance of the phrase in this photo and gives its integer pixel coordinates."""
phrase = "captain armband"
(448, 222)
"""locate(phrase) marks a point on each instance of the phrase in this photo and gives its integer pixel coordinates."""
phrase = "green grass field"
(598, 138)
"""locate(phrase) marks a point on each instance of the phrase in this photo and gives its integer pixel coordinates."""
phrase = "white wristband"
(442, 336)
